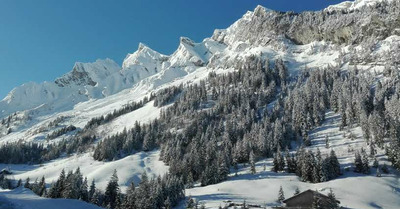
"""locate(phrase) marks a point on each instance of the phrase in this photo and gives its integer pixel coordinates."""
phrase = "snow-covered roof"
(314, 193)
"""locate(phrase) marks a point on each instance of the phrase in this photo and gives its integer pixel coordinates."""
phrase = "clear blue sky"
(42, 39)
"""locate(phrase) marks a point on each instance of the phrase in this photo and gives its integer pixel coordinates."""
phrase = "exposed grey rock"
(340, 27)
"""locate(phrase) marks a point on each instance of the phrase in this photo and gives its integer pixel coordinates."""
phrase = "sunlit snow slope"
(94, 89)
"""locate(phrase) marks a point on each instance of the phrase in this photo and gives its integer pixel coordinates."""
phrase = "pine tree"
(27, 184)
(358, 164)
(235, 165)
(118, 202)
(291, 164)
(143, 193)
(334, 163)
(83, 192)
(5, 183)
(252, 163)
(190, 203)
(316, 203)
(92, 190)
(317, 167)
(78, 178)
(332, 203)
(95, 198)
(316, 175)
(281, 162)
(281, 195)
(167, 204)
(52, 191)
(60, 184)
(307, 166)
(112, 190)
(190, 181)
(325, 171)
(223, 168)
(42, 187)
(275, 163)
(70, 187)
(278, 161)
(385, 169)
(372, 150)
(35, 187)
(327, 142)
(376, 163)
(130, 199)
(365, 162)
(19, 183)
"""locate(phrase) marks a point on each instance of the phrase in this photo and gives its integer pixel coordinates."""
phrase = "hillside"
(272, 85)
(26, 199)
(262, 188)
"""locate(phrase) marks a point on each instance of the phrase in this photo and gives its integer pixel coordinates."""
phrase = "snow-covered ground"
(143, 115)
(353, 190)
(22, 198)
(129, 168)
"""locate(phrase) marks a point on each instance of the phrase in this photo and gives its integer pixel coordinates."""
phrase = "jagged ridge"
(262, 27)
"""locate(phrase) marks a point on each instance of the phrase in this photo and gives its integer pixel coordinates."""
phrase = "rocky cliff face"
(88, 74)
(337, 25)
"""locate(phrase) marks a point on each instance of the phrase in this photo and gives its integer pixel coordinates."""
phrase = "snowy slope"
(129, 168)
(83, 82)
(22, 198)
(352, 190)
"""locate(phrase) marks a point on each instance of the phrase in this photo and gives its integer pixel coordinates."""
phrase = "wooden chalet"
(304, 200)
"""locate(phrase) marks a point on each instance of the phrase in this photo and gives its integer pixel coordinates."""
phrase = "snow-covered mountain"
(354, 5)
(363, 34)
(260, 28)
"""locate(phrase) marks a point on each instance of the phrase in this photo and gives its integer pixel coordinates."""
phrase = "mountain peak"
(261, 11)
(88, 73)
(143, 55)
(82, 66)
(142, 46)
(186, 40)
(353, 5)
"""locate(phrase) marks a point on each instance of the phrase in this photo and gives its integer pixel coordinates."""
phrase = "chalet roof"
(315, 193)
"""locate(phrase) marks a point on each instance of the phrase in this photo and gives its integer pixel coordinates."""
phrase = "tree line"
(151, 193)
(308, 166)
